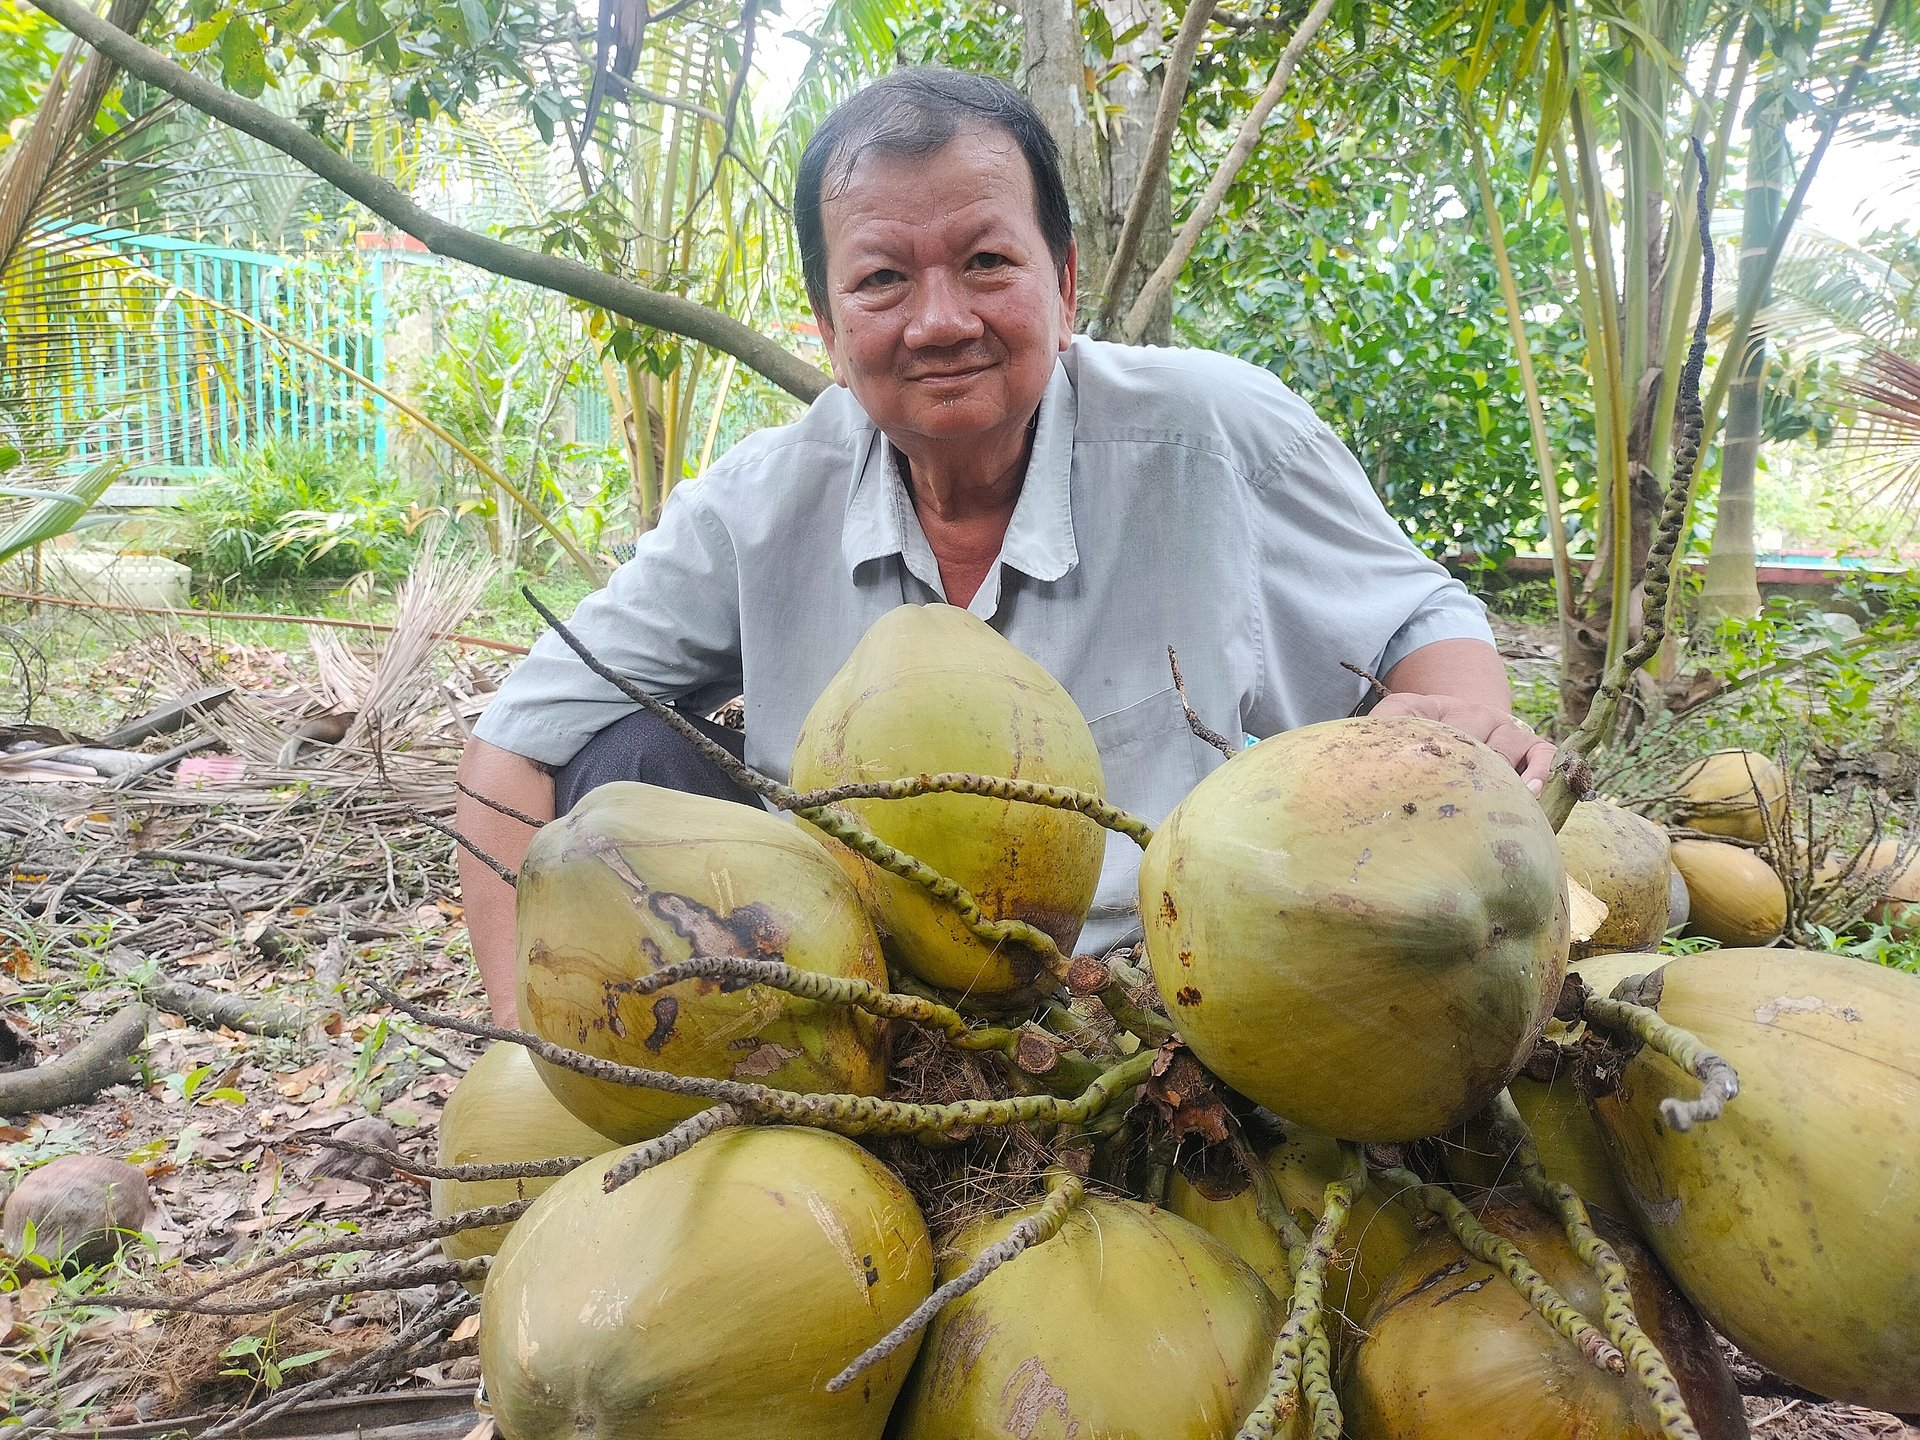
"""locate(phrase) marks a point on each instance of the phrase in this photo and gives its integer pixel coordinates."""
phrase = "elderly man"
(1095, 503)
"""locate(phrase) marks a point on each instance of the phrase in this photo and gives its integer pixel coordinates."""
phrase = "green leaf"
(9, 457)
(243, 60)
(479, 24)
(201, 35)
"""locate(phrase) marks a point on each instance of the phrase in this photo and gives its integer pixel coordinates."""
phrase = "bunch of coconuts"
(1322, 1167)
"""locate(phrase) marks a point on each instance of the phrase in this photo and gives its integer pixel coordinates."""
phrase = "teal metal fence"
(170, 354)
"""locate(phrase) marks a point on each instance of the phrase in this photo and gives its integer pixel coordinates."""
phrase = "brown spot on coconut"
(1733, 895)
(75, 1212)
(1626, 861)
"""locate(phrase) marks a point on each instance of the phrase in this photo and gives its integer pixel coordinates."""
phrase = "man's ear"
(1069, 293)
(824, 324)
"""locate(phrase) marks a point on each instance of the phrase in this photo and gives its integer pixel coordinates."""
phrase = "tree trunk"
(1732, 587)
(1100, 169)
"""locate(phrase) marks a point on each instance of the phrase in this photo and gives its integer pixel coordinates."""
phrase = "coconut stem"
(1719, 1081)
(1569, 775)
(1617, 1314)
(1290, 1350)
(677, 1141)
(1064, 1192)
(513, 1170)
(1316, 1383)
(842, 1114)
(995, 787)
(1505, 1256)
(437, 1273)
(834, 990)
(1270, 1205)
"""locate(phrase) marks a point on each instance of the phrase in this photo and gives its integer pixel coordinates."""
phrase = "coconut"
(1625, 860)
(1130, 1324)
(502, 1113)
(75, 1212)
(1361, 925)
(1380, 1231)
(1733, 895)
(710, 1298)
(1737, 793)
(1564, 1130)
(1679, 902)
(1896, 878)
(931, 689)
(637, 878)
(1788, 1220)
(1452, 1351)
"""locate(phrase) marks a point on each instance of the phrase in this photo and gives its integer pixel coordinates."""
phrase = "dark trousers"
(644, 747)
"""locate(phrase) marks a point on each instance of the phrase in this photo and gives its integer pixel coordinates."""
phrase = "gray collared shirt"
(1174, 498)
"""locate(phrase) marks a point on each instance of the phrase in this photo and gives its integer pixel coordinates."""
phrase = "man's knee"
(645, 748)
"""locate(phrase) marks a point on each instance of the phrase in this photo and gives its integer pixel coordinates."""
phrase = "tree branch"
(1161, 281)
(1166, 120)
(652, 308)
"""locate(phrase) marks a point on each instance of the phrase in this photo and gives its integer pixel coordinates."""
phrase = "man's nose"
(943, 313)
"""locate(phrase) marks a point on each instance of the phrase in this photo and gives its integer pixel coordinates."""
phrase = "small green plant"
(287, 512)
(1677, 944)
(1876, 943)
(191, 1085)
(256, 1358)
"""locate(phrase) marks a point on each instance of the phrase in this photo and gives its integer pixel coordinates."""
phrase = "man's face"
(945, 310)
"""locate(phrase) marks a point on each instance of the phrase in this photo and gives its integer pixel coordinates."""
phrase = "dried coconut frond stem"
(1505, 1256)
(294, 1296)
(994, 787)
(1622, 1324)
(516, 1170)
(499, 867)
(677, 1141)
(1194, 722)
(833, 990)
(1066, 1191)
(399, 1239)
(1719, 1081)
(842, 1114)
(397, 1354)
(1564, 785)
(1284, 1387)
(498, 807)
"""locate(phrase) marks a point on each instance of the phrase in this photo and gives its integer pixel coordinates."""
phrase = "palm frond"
(47, 515)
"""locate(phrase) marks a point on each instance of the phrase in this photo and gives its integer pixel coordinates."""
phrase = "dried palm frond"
(1888, 389)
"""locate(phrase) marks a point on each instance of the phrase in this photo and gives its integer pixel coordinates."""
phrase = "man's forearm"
(1469, 670)
(515, 781)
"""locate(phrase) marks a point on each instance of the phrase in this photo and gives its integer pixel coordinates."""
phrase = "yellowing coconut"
(1792, 1220)
(502, 1113)
(1361, 925)
(1733, 792)
(637, 878)
(1625, 860)
(931, 689)
(1733, 895)
(1380, 1231)
(1896, 877)
(1130, 1324)
(711, 1298)
(1452, 1351)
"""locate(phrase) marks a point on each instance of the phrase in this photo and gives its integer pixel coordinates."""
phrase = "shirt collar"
(880, 521)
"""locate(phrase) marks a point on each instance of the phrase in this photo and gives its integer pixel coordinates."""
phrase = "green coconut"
(502, 1113)
(636, 878)
(1130, 1324)
(1792, 1219)
(931, 689)
(1380, 1231)
(1736, 793)
(1625, 860)
(1452, 1351)
(1734, 896)
(1361, 925)
(711, 1298)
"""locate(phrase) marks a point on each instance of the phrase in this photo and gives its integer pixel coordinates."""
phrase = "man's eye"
(881, 277)
(988, 260)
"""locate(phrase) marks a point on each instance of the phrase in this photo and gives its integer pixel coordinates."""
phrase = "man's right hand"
(526, 786)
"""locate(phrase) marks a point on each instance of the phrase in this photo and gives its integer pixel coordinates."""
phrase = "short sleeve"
(668, 621)
(1339, 580)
